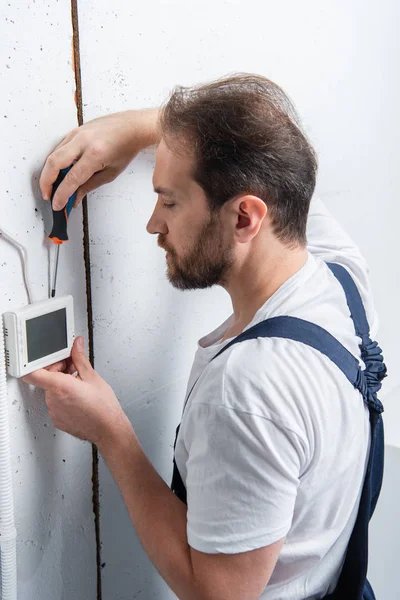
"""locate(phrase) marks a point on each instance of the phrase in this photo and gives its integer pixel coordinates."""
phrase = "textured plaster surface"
(51, 470)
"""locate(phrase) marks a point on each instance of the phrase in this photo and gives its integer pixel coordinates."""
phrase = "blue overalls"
(352, 584)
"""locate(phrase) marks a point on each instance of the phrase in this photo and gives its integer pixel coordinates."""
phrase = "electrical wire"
(24, 257)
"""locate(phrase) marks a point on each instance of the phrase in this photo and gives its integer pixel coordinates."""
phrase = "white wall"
(384, 531)
(52, 471)
(338, 61)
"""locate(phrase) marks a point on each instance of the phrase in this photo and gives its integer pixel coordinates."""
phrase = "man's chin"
(188, 285)
(174, 278)
(182, 281)
(177, 281)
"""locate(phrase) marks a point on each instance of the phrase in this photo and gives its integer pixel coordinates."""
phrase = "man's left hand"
(83, 405)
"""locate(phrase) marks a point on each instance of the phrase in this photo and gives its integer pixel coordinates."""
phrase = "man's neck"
(252, 283)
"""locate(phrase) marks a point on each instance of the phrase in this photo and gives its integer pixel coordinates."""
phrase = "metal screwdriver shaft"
(53, 288)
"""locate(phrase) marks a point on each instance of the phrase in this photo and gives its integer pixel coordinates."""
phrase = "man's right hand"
(99, 151)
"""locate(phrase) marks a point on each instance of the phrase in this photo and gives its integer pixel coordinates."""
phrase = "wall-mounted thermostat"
(38, 335)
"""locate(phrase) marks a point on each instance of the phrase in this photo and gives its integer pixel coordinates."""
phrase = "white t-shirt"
(274, 438)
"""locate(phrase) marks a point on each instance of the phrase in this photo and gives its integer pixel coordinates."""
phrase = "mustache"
(162, 244)
(161, 241)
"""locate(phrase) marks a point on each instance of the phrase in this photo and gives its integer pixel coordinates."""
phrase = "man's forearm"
(145, 128)
(158, 515)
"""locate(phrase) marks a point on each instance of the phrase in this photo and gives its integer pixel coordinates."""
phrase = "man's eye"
(169, 204)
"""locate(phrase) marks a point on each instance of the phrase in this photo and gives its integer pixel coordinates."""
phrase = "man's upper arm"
(242, 479)
(241, 474)
(241, 576)
(327, 240)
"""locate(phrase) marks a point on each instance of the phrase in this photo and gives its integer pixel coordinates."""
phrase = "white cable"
(24, 257)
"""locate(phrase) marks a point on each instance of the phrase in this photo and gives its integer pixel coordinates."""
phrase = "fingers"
(47, 380)
(78, 175)
(93, 183)
(66, 139)
(61, 157)
(64, 366)
(80, 360)
(87, 163)
(71, 369)
(57, 376)
(59, 367)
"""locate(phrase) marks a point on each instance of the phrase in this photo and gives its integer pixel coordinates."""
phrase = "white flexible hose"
(8, 533)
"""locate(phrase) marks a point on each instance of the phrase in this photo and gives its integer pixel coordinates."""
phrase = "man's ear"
(249, 212)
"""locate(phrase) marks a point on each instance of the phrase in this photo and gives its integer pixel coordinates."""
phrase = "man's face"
(199, 251)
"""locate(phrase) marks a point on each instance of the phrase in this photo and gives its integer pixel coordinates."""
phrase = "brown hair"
(246, 138)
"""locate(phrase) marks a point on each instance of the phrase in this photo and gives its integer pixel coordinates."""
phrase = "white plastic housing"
(18, 324)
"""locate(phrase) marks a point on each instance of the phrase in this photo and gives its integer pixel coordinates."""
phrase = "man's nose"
(156, 224)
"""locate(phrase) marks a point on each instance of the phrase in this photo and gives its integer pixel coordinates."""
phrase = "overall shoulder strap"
(353, 298)
(371, 353)
(307, 333)
(367, 381)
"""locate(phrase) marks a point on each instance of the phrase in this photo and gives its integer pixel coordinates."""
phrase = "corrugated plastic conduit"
(8, 534)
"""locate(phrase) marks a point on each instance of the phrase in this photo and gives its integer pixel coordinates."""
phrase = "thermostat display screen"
(46, 334)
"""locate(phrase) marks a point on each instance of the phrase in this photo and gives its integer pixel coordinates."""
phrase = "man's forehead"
(174, 152)
(171, 168)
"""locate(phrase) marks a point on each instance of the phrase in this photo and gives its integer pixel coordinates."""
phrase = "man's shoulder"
(268, 377)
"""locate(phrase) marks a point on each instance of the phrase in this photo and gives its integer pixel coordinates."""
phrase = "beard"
(206, 264)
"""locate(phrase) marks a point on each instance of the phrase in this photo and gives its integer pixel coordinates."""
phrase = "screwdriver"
(59, 233)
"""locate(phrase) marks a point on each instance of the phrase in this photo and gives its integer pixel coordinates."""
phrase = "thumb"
(80, 359)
